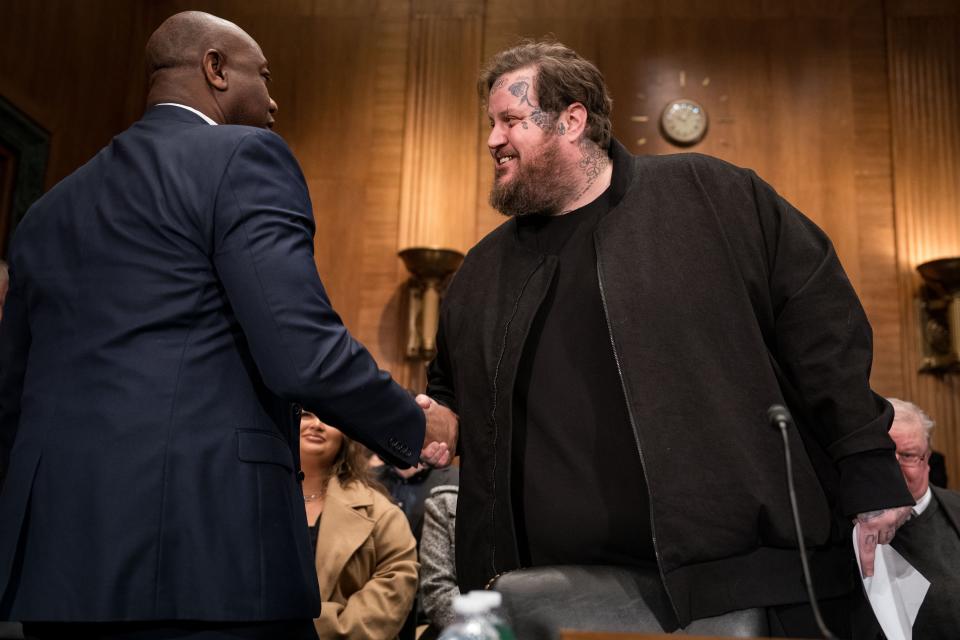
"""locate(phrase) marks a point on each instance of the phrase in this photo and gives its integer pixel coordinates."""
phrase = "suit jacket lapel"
(344, 526)
(950, 503)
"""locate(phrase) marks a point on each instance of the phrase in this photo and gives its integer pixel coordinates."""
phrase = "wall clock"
(671, 110)
(683, 122)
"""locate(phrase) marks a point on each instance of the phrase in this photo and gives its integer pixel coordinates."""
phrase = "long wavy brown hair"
(350, 465)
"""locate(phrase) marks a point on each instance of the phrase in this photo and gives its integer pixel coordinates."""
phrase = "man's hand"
(440, 440)
(877, 527)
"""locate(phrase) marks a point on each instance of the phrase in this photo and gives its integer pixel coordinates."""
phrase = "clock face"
(684, 122)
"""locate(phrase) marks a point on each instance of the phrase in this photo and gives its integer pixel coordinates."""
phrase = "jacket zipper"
(633, 425)
(493, 417)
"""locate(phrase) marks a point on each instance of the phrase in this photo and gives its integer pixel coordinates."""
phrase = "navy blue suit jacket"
(164, 316)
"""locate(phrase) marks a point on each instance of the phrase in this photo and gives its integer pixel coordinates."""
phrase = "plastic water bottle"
(493, 600)
(472, 622)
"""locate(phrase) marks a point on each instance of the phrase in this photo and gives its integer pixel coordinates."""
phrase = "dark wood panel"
(873, 196)
(923, 8)
(75, 68)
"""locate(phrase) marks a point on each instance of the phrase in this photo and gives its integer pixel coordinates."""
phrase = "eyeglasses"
(912, 459)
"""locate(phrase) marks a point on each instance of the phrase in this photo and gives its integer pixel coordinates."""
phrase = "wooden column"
(439, 171)
(440, 137)
(924, 63)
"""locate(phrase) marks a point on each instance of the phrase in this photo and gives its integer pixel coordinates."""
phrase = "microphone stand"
(780, 418)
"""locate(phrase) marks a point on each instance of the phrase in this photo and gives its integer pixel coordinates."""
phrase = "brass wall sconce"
(940, 315)
(430, 269)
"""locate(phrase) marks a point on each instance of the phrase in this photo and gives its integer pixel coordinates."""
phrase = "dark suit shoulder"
(171, 128)
(223, 141)
(950, 501)
(64, 192)
(258, 143)
(239, 132)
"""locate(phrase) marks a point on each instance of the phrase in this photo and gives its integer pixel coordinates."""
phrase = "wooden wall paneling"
(925, 100)
(381, 325)
(873, 195)
(334, 100)
(350, 110)
(72, 68)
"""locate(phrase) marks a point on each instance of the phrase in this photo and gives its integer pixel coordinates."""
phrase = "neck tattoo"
(593, 162)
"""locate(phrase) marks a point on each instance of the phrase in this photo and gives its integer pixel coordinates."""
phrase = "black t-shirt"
(315, 533)
(578, 488)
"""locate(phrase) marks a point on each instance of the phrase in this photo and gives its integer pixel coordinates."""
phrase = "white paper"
(896, 590)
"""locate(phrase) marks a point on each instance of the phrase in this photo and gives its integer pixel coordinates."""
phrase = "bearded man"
(611, 350)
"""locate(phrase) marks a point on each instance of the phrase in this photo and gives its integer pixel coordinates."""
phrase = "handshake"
(440, 439)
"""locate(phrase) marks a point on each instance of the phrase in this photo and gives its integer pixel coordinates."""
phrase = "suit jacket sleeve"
(263, 254)
(378, 610)
(14, 347)
(824, 345)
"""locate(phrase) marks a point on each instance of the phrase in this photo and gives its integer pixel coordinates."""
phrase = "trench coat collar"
(344, 526)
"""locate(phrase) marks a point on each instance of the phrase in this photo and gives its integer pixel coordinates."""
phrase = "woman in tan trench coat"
(365, 553)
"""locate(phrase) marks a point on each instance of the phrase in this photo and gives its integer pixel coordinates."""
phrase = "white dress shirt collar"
(183, 106)
(922, 503)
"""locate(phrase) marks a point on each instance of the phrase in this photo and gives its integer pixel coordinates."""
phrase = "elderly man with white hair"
(930, 540)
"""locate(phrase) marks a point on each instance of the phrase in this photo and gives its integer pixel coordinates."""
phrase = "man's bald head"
(210, 64)
(183, 38)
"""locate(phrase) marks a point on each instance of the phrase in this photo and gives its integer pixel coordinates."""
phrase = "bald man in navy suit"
(164, 325)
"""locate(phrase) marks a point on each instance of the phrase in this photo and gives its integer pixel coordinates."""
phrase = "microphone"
(780, 418)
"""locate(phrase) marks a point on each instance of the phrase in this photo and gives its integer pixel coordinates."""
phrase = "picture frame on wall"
(24, 149)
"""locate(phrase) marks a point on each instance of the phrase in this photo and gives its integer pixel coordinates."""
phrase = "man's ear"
(574, 120)
(213, 71)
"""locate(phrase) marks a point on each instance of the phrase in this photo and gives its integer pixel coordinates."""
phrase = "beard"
(542, 184)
